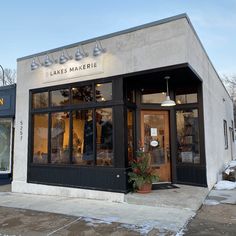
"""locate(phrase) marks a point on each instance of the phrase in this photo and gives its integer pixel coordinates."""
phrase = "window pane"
(225, 134)
(5, 142)
(40, 100)
(154, 97)
(83, 137)
(188, 136)
(186, 98)
(130, 130)
(60, 137)
(103, 92)
(104, 137)
(40, 147)
(82, 94)
(131, 95)
(60, 97)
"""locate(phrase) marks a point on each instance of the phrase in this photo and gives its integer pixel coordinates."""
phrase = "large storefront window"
(5, 144)
(188, 136)
(72, 126)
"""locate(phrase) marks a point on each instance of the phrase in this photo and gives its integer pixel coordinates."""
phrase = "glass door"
(5, 145)
(155, 139)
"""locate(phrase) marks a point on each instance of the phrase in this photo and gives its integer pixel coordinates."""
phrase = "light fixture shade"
(168, 102)
(34, 65)
(63, 59)
(98, 49)
(79, 55)
(48, 61)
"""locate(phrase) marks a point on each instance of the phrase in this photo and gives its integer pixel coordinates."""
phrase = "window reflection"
(188, 136)
(82, 94)
(104, 139)
(60, 97)
(103, 92)
(186, 98)
(60, 137)
(82, 137)
(153, 97)
(5, 143)
(40, 100)
(40, 147)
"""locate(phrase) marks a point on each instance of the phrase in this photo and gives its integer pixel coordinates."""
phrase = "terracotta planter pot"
(146, 188)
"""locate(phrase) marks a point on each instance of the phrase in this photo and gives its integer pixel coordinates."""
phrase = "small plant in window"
(142, 175)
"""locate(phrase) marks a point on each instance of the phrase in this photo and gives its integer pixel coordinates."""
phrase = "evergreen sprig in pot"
(142, 175)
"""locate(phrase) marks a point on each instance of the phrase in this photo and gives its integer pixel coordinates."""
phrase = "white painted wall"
(157, 46)
(218, 106)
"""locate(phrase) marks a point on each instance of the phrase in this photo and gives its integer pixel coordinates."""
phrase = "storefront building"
(82, 110)
(7, 115)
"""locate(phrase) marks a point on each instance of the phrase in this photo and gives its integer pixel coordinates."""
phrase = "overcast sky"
(29, 27)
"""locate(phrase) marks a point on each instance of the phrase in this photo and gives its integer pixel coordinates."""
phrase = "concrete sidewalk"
(171, 216)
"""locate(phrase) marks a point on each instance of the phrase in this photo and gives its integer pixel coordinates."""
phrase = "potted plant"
(142, 175)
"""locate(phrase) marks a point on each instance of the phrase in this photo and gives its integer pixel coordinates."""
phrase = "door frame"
(140, 127)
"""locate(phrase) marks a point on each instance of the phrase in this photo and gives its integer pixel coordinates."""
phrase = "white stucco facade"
(170, 42)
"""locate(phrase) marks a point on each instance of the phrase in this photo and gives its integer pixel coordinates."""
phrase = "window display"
(60, 137)
(40, 141)
(83, 137)
(188, 136)
(104, 137)
(65, 132)
(5, 146)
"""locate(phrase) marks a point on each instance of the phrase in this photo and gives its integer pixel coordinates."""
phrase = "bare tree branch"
(9, 76)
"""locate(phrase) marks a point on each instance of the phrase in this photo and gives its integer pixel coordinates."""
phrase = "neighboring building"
(7, 116)
(80, 118)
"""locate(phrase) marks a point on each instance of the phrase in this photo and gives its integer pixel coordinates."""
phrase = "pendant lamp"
(168, 102)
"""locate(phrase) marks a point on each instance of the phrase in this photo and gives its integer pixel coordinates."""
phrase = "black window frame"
(226, 141)
(91, 105)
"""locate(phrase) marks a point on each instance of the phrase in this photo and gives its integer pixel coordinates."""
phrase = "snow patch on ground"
(95, 222)
(146, 228)
(225, 184)
(211, 202)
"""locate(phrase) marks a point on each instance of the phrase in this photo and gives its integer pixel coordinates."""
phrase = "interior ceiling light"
(98, 49)
(80, 54)
(168, 102)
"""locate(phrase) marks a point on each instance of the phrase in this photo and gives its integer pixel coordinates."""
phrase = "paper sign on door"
(153, 131)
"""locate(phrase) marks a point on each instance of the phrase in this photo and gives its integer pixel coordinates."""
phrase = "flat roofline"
(159, 22)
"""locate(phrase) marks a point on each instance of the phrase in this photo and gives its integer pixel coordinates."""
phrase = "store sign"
(74, 69)
(5, 102)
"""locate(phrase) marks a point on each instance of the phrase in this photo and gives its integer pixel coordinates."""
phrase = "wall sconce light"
(80, 54)
(168, 102)
(98, 49)
(63, 58)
